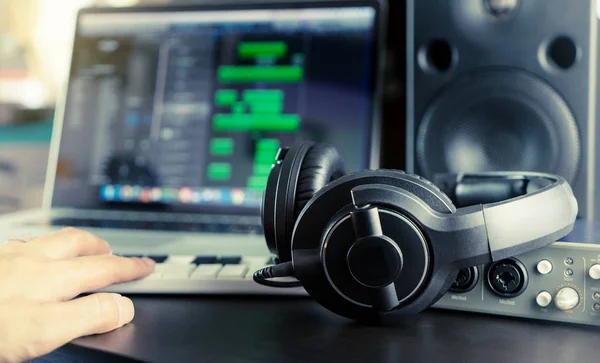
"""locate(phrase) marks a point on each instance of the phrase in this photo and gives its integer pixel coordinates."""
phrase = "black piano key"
(205, 260)
(158, 259)
(230, 260)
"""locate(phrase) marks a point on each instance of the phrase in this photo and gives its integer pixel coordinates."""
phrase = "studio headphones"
(381, 241)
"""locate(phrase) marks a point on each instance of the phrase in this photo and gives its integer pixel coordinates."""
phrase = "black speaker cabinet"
(503, 85)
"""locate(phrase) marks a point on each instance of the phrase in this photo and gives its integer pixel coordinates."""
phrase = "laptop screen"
(184, 109)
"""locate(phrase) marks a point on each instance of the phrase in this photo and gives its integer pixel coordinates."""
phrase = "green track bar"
(270, 74)
(236, 122)
(226, 97)
(267, 107)
(239, 107)
(251, 50)
(268, 144)
(263, 169)
(221, 147)
(265, 158)
(219, 172)
(260, 96)
(258, 182)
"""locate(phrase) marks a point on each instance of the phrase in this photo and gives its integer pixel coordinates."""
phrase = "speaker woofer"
(498, 120)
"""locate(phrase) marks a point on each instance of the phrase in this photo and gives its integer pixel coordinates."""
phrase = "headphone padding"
(322, 165)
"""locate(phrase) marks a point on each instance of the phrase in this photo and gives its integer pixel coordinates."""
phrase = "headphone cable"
(286, 269)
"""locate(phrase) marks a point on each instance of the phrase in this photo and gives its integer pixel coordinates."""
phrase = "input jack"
(466, 280)
(508, 278)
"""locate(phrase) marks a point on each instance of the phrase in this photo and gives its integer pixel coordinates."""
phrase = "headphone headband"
(536, 219)
(465, 189)
(539, 208)
(542, 214)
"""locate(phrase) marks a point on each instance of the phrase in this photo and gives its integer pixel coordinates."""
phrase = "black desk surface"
(221, 329)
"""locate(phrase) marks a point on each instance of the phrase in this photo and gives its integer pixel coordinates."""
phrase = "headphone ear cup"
(268, 210)
(322, 165)
(324, 236)
(299, 173)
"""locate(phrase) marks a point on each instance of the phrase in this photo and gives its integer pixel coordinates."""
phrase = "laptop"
(173, 117)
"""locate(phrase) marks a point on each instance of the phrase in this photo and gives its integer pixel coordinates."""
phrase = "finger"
(92, 273)
(69, 243)
(89, 315)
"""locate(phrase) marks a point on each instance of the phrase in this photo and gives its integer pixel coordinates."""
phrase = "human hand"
(40, 281)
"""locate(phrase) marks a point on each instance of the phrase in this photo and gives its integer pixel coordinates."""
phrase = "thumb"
(50, 326)
(95, 314)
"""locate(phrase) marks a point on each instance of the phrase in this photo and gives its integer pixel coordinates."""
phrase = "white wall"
(52, 39)
(45, 28)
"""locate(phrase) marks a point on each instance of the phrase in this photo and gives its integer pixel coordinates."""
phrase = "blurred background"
(35, 50)
(539, 115)
(35, 41)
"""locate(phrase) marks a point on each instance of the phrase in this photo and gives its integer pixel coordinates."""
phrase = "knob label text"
(507, 302)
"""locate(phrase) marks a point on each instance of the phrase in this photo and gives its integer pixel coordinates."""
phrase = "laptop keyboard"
(206, 267)
(202, 275)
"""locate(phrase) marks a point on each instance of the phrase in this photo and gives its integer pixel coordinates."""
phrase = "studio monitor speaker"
(503, 85)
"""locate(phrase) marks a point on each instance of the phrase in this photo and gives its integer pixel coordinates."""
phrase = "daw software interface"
(187, 109)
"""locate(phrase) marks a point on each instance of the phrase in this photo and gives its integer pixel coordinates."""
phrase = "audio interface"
(560, 282)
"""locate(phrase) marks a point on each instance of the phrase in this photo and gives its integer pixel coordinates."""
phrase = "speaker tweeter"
(437, 57)
(562, 52)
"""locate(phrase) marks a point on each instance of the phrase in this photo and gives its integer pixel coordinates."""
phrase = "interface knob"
(543, 299)
(566, 298)
(544, 267)
(594, 272)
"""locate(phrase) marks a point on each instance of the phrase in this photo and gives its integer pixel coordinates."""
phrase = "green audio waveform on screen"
(226, 97)
(222, 146)
(219, 171)
(243, 108)
(266, 152)
(264, 122)
(261, 95)
(252, 50)
(266, 74)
